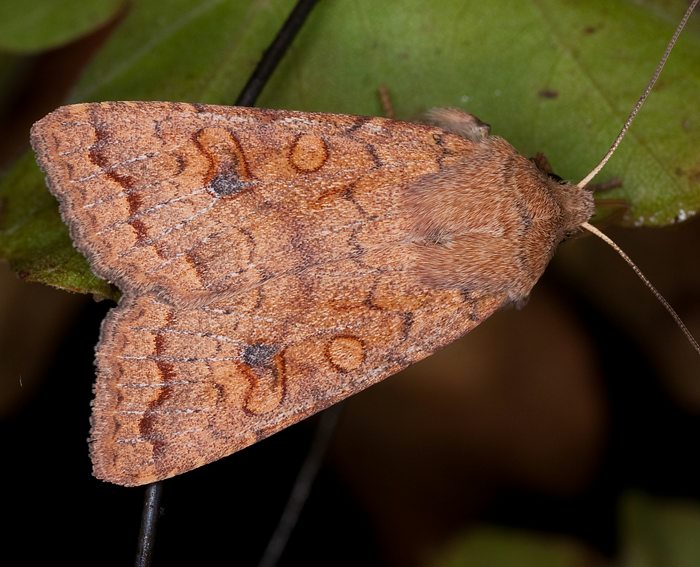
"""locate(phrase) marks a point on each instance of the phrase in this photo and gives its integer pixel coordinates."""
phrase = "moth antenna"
(586, 180)
(642, 99)
(605, 238)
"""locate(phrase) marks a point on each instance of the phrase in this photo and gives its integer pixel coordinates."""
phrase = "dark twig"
(266, 66)
(302, 486)
(328, 421)
(149, 520)
(274, 53)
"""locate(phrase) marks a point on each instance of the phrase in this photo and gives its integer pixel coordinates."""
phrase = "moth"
(274, 262)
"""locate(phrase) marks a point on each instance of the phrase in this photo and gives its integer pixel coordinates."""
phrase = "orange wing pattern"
(266, 266)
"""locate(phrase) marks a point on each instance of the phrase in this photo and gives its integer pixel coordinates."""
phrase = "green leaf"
(36, 25)
(500, 547)
(660, 532)
(551, 76)
(34, 239)
(182, 50)
(654, 532)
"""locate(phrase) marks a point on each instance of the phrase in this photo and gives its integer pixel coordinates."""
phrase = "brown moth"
(273, 262)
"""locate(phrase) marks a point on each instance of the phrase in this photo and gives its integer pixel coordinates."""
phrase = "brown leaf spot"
(694, 175)
(548, 93)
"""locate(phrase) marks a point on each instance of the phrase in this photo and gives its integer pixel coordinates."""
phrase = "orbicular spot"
(226, 183)
(308, 153)
(259, 354)
(345, 352)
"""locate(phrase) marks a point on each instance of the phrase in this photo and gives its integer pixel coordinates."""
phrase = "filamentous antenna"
(642, 99)
(586, 180)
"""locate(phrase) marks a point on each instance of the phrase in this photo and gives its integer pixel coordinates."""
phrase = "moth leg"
(459, 122)
(613, 183)
(386, 102)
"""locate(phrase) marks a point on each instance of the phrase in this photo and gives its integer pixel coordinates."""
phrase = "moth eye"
(556, 178)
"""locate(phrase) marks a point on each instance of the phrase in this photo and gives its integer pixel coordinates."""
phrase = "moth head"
(577, 203)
